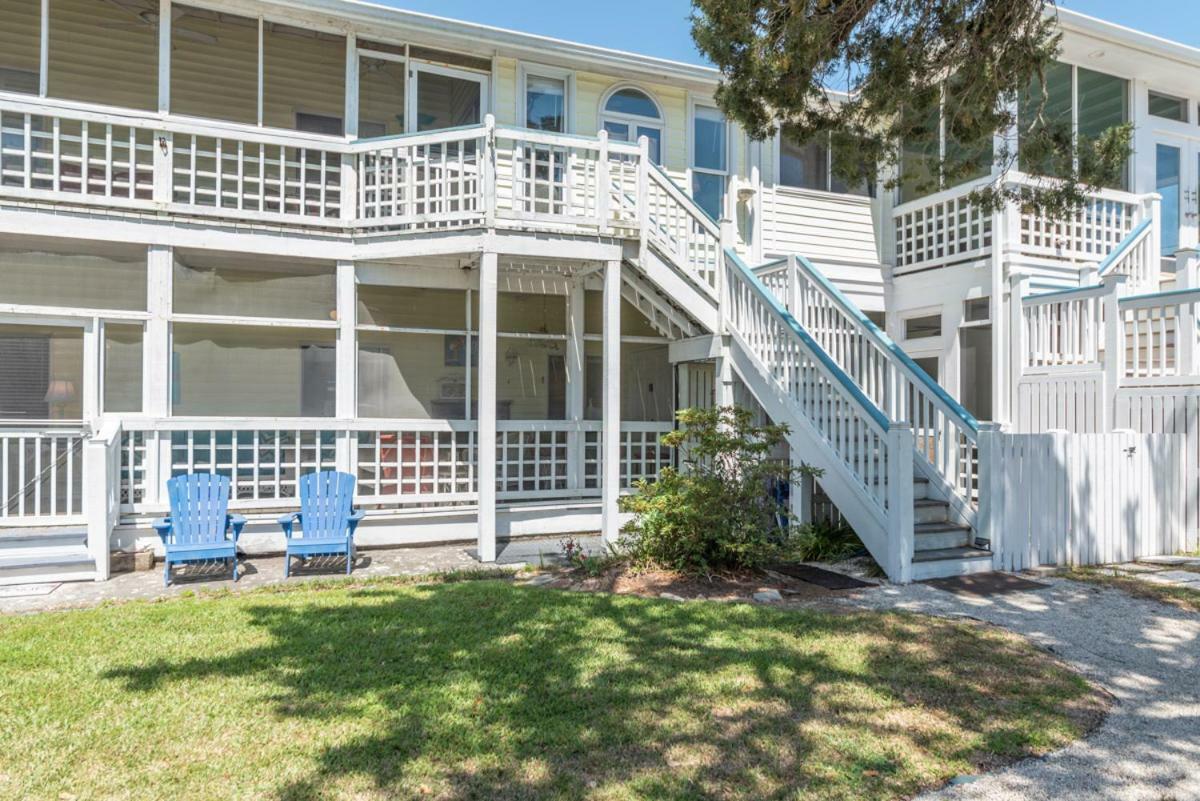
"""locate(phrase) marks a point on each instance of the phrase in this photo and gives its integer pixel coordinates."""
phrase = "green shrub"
(716, 512)
(821, 542)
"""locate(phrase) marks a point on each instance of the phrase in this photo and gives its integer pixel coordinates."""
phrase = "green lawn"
(487, 690)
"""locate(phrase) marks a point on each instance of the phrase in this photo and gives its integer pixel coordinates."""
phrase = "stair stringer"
(672, 282)
(861, 511)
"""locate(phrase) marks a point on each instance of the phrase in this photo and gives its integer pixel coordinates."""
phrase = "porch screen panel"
(20, 45)
(412, 375)
(919, 155)
(214, 65)
(231, 285)
(250, 371)
(412, 307)
(1103, 104)
(122, 368)
(41, 272)
(633, 322)
(304, 76)
(104, 52)
(531, 378)
(380, 97)
(803, 164)
(976, 155)
(647, 382)
(41, 372)
(528, 313)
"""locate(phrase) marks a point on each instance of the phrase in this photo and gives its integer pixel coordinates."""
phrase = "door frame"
(412, 89)
(1189, 185)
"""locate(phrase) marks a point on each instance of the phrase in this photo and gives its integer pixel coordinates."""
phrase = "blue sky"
(660, 27)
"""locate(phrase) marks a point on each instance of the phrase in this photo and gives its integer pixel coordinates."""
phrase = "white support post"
(723, 379)
(1003, 382)
(346, 362)
(1152, 206)
(611, 431)
(156, 366)
(989, 525)
(643, 198)
(603, 185)
(44, 51)
(901, 538)
(576, 364)
(164, 56)
(349, 191)
(93, 358)
(1089, 274)
(164, 167)
(1018, 288)
(96, 484)
(1114, 348)
(485, 446)
(754, 207)
(802, 492)
(489, 171)
(1187, 262)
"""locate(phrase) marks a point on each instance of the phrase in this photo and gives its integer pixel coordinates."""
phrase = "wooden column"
(164, 56)
(156, 365)
(611, 435)
(576, 363)
(901, 542)
(485, 446)
(346, 362)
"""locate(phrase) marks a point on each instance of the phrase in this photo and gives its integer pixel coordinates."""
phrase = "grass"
(1181, 597)
(487, 690)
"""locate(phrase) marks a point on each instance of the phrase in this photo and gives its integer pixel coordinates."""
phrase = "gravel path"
(1144, 653)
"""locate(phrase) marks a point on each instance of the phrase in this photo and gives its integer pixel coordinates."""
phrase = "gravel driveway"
(1146, 654)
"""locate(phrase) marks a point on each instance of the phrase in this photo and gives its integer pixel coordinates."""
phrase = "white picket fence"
(1054, 498)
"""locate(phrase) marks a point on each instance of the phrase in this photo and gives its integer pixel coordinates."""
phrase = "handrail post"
(643, 197)
(489, 171)
(349, 190)
(991, 503)
(727, 240)
(1114, 347)
(900, 535)
(164, 166)
(1018, 339)
(1152, 208)
(1187, 262)
(603, 184)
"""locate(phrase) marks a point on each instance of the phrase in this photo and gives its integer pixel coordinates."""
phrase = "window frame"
(1184, 103)
(777, 163)
(917, 314)
(528, 69)
(693, 104)
(634, 121)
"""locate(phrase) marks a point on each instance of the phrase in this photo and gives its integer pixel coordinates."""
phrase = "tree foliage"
(901, 61)
(718, 511)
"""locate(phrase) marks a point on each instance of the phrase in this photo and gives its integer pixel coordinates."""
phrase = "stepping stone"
(768, 596)
(541, 579)
(1168, 560)
(670, 596)
(1175, 577)
(1135, 567)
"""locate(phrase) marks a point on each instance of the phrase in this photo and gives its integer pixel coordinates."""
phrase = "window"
(629, 114)
(977, 310)
(20, 45)
(1102, 102)
(809, 164)
(546, 103)
(933, 140)
(1168, 168)
(1169, 108)
(710, 157)
(923, 327)
(41, 372)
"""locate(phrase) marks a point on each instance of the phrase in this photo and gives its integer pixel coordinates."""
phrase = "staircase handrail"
(886, 344)
(1123, 247)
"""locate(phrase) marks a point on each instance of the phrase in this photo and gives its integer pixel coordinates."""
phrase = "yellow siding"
(216, 80)
(94, 62)
(507, 109)
(590, 87)
(380, 96)
(302, 73)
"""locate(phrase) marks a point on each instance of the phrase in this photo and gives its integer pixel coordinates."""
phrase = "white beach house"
(480, 270)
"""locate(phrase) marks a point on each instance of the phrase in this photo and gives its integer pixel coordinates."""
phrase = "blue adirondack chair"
(326, 517)
(200, 524)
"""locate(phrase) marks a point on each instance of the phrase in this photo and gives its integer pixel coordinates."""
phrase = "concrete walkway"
(1144, 653)
(257, 571)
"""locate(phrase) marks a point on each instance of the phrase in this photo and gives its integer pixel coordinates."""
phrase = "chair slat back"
(199, 508)
(326, 499)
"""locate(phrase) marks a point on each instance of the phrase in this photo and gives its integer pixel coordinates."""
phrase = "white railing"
(398, 464)
(850, 424)
(1136, 257)
(945, 433)
(83, 158)
(1063, 329)
(947, 228)
(1160, 336)
(41, 474)
(678, 227)
(255, 177)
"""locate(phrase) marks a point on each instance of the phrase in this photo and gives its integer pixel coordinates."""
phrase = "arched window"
(630, 113)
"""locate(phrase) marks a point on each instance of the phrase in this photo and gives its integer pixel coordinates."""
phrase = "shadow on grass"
(484, 690)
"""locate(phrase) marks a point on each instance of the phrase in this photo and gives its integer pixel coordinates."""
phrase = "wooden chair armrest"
(236, 522)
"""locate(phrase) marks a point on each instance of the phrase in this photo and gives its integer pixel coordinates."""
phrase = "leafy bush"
(822, 542)
(718, 511)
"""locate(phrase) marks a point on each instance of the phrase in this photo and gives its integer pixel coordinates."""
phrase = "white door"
(1177, 179)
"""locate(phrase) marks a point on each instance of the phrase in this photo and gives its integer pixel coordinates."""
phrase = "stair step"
(950, 562)
(940, 538)
(930, 510)
(15, 569)
(41, 537)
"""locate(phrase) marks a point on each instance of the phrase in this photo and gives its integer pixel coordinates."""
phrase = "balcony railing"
(399, 464)
(456, 178)
(947, 228)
